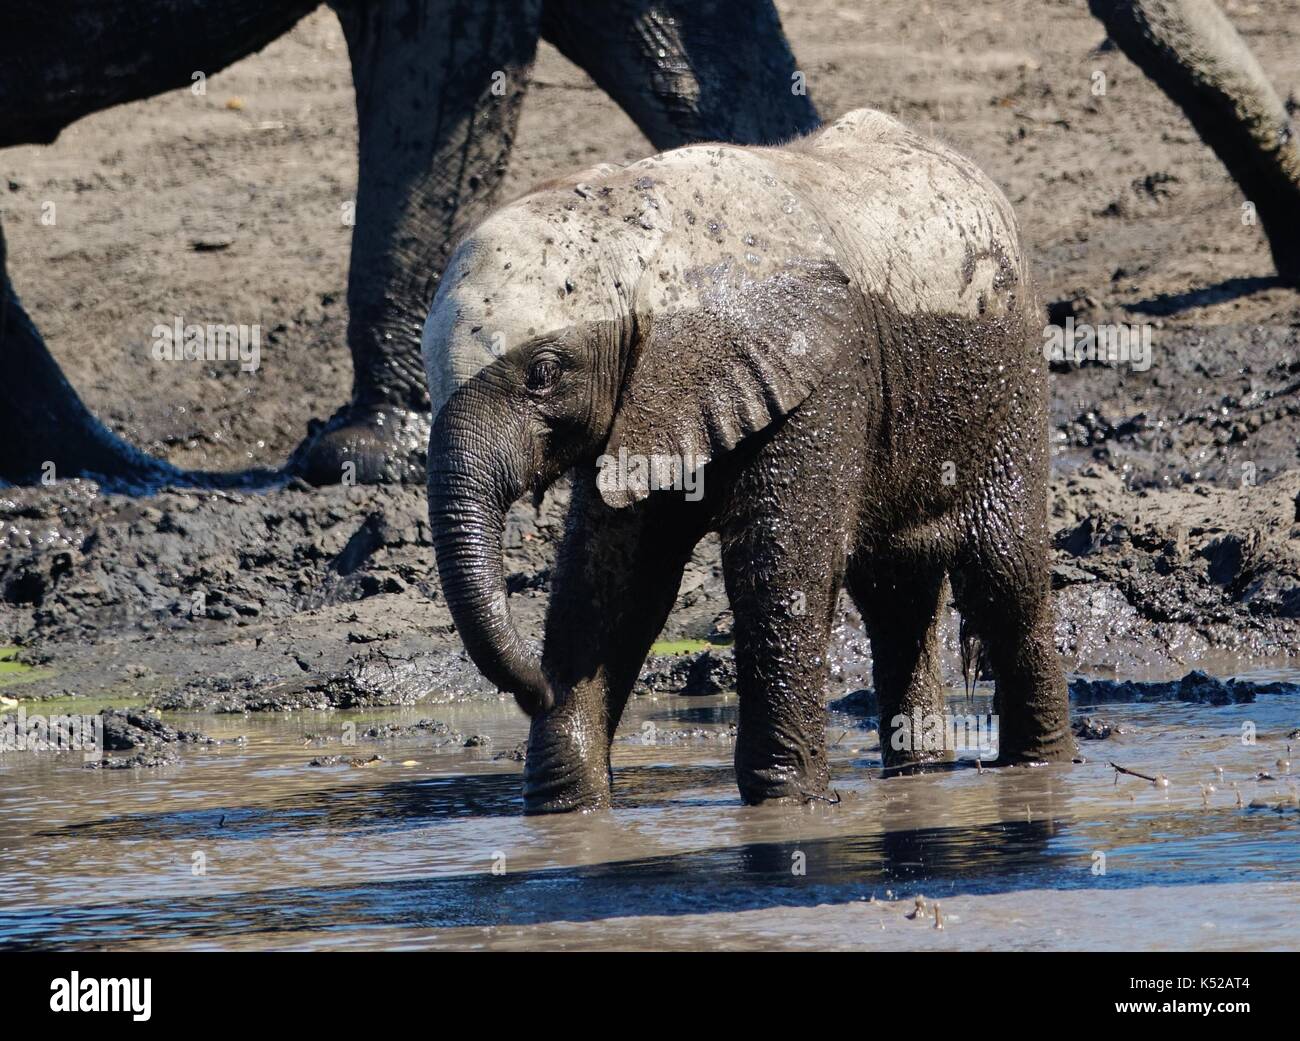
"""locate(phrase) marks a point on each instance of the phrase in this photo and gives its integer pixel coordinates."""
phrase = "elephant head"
(621, 314)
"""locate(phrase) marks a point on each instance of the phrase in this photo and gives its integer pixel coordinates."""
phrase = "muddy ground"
(1176, 493)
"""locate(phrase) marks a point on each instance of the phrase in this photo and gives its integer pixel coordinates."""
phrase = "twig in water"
(1159, 780)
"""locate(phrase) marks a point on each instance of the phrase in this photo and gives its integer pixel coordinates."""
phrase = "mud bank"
(299, 598)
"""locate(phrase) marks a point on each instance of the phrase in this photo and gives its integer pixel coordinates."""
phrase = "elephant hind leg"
(686, 70)
(901, 608)
(1191, 51)
(1005, 599)
(47, 433)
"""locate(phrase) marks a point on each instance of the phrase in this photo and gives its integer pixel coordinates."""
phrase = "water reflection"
(995, 858)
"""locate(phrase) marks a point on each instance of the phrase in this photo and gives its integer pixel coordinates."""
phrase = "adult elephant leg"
(1191, 51)
(45, 429)
(616, 578)
(61, 60)
(439, 85)
(689, 70)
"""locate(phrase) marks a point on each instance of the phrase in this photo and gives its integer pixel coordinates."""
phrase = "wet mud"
(296, 598)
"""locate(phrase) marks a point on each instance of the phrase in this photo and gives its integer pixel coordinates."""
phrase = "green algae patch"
(13, 671)
(685, 646)
(82, 705)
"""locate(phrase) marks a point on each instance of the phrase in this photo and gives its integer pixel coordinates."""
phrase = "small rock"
(857, 703)
(1090, 728)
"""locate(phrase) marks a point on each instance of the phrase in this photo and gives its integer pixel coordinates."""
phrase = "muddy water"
(246, 845)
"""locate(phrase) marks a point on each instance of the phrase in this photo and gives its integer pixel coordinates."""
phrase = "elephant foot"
(789, 796)
(47, 435)
(910, 764)
(90, 451)
(58, 438)
(906, 754)
(1052, 748)
(782, 786)
(551, 790)
(1031, 759)
(567, 767)
(915, 768)
(46, 431)
(364, 444)
(1287, 259)
(538, 802)
(97, 455)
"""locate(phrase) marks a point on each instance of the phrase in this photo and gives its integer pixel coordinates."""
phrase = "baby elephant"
(824, 352)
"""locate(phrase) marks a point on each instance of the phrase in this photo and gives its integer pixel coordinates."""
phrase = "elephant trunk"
(472, 483)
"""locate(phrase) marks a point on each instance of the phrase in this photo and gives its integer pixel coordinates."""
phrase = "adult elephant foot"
(1286, 251)
(47, 433)
(364, 444)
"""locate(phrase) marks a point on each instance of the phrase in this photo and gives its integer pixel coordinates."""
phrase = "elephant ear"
(746, 352)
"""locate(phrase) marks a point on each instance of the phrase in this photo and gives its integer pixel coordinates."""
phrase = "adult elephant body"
(439, 88)
(835, 339)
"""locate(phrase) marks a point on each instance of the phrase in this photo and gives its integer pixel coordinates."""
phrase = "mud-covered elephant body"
(836, 337)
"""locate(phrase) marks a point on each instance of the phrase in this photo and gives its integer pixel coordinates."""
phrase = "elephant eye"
(543, 374)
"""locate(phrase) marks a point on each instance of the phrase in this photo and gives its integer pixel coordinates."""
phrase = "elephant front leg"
(439, 87)
(615, 580)
(783, 579)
